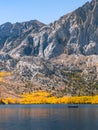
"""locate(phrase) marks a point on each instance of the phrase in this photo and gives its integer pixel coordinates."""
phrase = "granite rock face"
(74, 33)
(15, 39)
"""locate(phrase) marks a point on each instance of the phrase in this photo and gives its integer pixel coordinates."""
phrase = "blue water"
(48, 117)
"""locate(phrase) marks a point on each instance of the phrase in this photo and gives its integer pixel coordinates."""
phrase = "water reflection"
(48, 117)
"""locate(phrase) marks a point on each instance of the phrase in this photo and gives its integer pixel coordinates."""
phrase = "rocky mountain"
(74, 33)
(61, 57)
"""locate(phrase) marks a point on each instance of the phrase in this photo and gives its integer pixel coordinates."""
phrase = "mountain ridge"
(66, 35)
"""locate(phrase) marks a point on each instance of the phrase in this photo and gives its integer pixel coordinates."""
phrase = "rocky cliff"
(74, 33)
(59, 57)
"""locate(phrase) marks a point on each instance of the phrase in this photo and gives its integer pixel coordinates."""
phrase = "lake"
(48, 117)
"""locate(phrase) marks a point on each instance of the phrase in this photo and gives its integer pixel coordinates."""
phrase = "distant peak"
(6, 24)
(95, 0)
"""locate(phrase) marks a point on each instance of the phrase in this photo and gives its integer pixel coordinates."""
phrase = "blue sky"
(45, 11)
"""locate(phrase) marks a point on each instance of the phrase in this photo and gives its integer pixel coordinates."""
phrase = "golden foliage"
(4, 74)
(42, 97)
(9, 101)
(47, 98)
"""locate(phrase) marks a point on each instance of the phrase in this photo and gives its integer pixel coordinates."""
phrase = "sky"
(45, 11)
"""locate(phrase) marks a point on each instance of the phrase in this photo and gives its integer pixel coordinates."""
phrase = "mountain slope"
(61, 57)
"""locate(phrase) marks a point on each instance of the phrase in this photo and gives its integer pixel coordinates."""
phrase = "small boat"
(73, 106)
